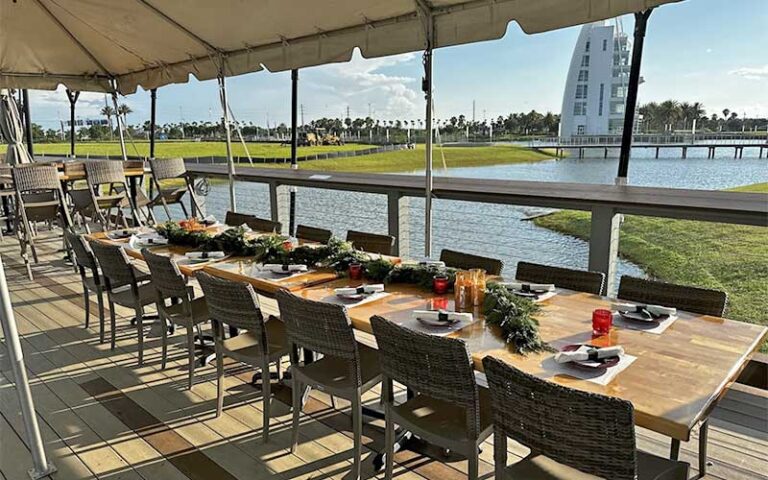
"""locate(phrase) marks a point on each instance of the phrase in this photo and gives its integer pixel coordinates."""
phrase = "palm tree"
(124, 110)
(726, 112)
(108, 112)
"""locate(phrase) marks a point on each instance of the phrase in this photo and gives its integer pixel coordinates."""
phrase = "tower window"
(605, 45)
(580, 108)
(583, 75)
(585, 61)
(581, 91)
(586, 49)
(602, 92)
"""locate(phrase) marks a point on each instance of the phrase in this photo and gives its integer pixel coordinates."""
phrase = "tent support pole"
(228, 134)
(72, 96)
(641, 21)
(152, 121)
(426, 85)
(41, 467)
(28, 123)
(294, 146)
(121, 135)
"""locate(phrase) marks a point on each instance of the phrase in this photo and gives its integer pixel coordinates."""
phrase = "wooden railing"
(606, 202)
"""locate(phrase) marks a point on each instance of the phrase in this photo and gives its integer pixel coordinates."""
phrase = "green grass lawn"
(396, 161)
(189, 149)
(733, 258)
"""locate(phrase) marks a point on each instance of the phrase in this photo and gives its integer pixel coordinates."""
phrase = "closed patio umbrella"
(12, 131)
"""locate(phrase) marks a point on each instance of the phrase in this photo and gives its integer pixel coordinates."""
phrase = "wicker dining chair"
(372, 242)
(347, 369)
(572, 434)
(579, 280)
(170, 171)
(39, 198)
(235, 219)
(112, 175)
(466, 261)
(191, 312)
(234, 304)
(90, 276)
(125, 287)
(448, 410)
(691, 299)
(313, 234)
(7, 195)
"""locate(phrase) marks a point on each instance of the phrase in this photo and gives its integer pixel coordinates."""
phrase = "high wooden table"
(674, 383)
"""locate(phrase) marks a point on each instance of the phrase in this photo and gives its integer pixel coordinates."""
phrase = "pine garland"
(515, 316)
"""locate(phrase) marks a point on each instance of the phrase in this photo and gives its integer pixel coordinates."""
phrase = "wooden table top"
(674, 383)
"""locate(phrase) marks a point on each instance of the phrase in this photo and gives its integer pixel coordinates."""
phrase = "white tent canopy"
(151, 43)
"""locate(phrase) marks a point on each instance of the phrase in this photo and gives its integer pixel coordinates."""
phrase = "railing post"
(604, 244)
(280, 204)
(393, 218)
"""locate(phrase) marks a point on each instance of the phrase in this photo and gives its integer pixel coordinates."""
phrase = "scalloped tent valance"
(84, 45)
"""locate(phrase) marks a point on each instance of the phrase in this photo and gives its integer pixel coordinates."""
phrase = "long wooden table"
(674, 384)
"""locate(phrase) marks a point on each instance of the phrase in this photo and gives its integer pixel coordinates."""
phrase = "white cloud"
(751, 73)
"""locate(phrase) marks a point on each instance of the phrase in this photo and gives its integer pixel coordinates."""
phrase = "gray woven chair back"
(166, 277)
(114, 263)
(579, 280)
(321, 327)
(83, 255)
(313, 234)
(592, 433)
(263, 225)
(691, 299)
(438, 367)
(235, 219)
(372, 242)
(167, 168)
(466, 261)
(233, 303)
(33, 178)
(104, 172)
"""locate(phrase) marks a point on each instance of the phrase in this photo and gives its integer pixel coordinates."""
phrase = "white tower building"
(596, 87)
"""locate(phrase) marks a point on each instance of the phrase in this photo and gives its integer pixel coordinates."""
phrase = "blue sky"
(713, 51)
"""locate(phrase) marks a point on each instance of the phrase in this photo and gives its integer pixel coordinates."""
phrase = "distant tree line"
(671, 115)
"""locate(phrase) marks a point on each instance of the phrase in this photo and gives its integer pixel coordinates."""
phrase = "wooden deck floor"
(103, 417)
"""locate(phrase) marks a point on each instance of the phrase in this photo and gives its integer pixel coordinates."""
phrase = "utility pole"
(473, 111)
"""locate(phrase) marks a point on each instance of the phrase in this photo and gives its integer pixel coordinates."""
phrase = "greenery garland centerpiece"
(515, 316)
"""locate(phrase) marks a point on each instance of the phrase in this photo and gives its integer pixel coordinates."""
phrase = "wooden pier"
(738, 148)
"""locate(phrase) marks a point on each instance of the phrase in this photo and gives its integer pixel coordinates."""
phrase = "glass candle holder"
(462, 289)
(440, 284)
(355, 271)
(478, 286)
(439, 303)
(602, 320)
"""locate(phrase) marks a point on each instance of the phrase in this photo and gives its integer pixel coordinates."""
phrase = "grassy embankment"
(733, 258)
(396, 161)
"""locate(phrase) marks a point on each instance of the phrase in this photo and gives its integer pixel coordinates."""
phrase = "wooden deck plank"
(12, 450)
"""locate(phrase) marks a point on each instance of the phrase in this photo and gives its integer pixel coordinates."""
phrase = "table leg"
(401, 442)
(133, 185)
(674, 450)
(703, 434)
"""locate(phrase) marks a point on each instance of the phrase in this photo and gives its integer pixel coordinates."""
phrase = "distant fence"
(213, 159)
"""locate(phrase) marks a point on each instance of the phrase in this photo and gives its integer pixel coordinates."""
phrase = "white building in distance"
(596, 87)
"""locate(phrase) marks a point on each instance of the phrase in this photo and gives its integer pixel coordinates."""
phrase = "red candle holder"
(440, 284)
(355, 271)
(439, 303)
(602, 320)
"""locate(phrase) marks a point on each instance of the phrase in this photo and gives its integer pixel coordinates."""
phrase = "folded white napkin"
(148, 239)
(656, 310)
(534, 287)
(442, 316)
(246, 228)
(280, 268)
(375, 288)
(587, 353)
(204, 255)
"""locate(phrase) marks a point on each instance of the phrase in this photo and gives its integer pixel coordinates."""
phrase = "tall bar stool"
(125, 287)
(449, 410)
(579, 280)
(166, 172)
(190, 313)
(39, 198)
(466, 261)
(347, 369)
(572, 434)
(234, 304)
(112, 175)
